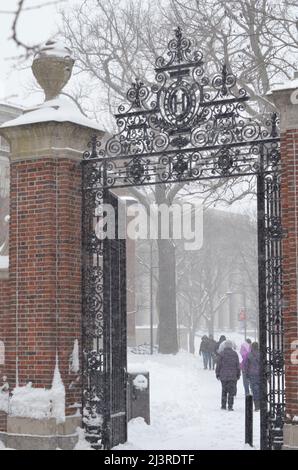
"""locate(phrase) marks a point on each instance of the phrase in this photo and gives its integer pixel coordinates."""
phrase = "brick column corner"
(41, 317)
(286, 100)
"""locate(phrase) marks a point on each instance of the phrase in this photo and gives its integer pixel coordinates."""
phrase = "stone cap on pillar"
(285, 97)
(56, 127)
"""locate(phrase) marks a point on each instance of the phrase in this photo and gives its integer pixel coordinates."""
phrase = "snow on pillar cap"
(54, 48)
(52, 67)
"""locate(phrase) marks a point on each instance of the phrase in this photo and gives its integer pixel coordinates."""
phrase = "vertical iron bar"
(106, 323)
(123, 302)
(262, 300)
(269, 312)
(151, 298)
(83, 274)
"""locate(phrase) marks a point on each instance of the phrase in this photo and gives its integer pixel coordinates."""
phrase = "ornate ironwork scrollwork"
(179, 52)
(274, 229)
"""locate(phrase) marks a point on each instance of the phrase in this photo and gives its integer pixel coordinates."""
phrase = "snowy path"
(185, 408)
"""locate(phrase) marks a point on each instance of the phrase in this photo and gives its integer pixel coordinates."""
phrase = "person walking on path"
(252, 370)
(228, 372)
(245, 349)
(217, 353)
(212, 351)
(204, 351)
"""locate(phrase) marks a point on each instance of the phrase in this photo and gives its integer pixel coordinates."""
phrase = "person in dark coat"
(228, 372)
(204, 350)
(252, 370)
(212, 351)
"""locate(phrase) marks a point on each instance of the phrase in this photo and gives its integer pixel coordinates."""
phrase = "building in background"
(7, 112)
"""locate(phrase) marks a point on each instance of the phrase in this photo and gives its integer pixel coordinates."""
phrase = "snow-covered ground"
(2, 447)
(185, 407)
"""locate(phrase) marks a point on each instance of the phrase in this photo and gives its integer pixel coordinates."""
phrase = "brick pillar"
(42, 326)
(286, 100)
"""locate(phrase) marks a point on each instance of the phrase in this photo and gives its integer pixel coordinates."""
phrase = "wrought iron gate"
(104, 322)
(185, 127)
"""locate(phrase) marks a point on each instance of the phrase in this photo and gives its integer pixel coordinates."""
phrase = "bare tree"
(256, 39)
(115, 41)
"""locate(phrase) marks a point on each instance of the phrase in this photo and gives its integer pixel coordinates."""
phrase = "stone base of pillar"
(290, 437)
(34, 434)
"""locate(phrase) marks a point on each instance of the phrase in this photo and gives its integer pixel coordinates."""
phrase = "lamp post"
(241, 291)
(225, 296)
(231, 319)
(245, 312)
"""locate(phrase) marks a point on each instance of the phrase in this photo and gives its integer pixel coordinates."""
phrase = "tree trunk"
(167, 328)
(191, 340)
(192, 327)
(211, 325)
(168, 338)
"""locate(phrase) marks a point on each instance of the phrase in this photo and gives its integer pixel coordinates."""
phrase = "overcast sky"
(35, 26)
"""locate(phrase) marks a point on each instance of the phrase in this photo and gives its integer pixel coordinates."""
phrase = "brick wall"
(289, 201)
(45, 272)
(3, 421)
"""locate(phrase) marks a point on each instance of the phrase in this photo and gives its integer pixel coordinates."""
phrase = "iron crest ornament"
(179, 104)
(183, 127)
(185, 110)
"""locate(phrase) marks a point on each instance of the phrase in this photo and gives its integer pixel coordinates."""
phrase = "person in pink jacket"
(244, 352)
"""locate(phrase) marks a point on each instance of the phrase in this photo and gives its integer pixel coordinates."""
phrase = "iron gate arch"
(185, 127)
